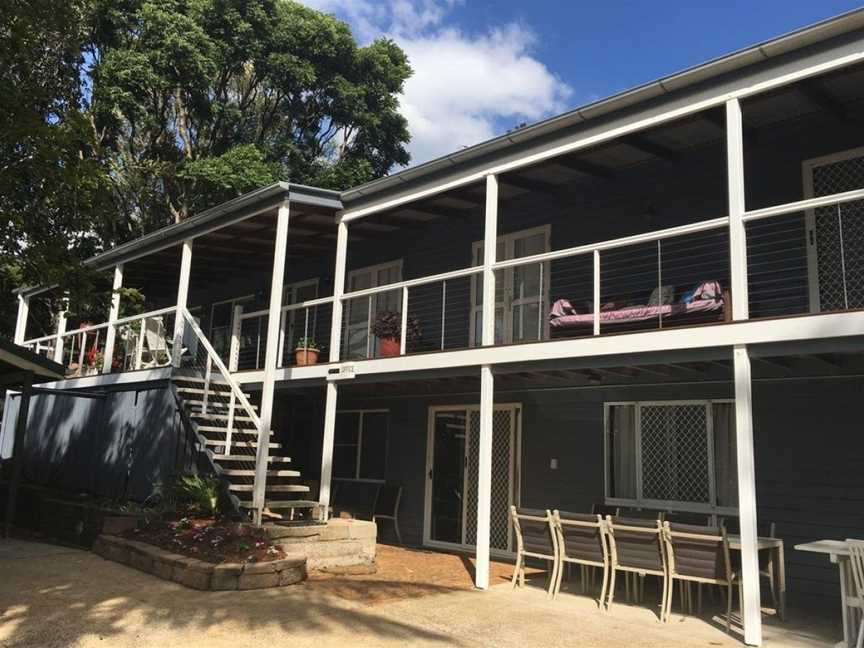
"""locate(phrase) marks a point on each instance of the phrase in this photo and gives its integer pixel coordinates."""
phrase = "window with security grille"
(679, 454)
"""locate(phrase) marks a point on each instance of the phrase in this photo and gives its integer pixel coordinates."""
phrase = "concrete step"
(239, 472)
(274, 505)
(274, 488)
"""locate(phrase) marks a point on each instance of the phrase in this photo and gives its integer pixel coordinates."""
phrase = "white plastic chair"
(856, 564)
(156, 346)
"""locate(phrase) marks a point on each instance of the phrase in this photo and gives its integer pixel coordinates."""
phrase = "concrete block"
(114, 524)
(335, 530)
(189, 575)
(226, 576)
(250, 581)
(261, 567)
(362, 529)
(293, 574)
(163, 569)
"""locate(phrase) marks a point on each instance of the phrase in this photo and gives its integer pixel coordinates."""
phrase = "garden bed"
(208, 539)
(199, 574)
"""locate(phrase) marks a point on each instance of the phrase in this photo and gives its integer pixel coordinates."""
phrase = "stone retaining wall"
(198, 574)
(339, 543)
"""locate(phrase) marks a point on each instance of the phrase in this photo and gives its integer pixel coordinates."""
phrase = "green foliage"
(120, 116)
(307, 343)
(199, 493)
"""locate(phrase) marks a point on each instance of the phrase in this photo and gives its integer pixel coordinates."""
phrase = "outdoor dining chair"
(767, 568)
(856, 563)
(697, 554)
(387, 506)
(535, 538)
(604, 509)
(582, 540)
(636, 547)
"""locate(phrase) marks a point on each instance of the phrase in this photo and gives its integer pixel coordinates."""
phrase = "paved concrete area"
(52, 596)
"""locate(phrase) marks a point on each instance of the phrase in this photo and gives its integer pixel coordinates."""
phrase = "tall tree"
(54, 196)
(121, 116)
(196, 101)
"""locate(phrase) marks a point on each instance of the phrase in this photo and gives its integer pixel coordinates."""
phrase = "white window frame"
(640, 501)
(362, 413)
(807, 168)
(509, 241)
(373, 271)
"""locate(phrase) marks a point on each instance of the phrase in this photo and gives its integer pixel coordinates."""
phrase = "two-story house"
(655, 300)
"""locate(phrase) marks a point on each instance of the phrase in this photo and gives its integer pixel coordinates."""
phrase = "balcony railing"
(141, 342)
(802, 258)
(309, 320)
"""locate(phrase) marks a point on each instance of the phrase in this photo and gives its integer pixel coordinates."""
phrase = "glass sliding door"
(452, 472)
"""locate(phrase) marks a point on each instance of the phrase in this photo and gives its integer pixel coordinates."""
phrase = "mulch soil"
(208, 539)
(405, 573)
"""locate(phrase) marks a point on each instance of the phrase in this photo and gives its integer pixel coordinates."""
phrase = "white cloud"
(465, 85)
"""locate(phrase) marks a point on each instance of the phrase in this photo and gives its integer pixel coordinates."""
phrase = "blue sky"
(482, 67)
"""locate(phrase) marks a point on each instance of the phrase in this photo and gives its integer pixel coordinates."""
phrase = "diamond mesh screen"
(675, 453)
(840, 236)
(501, 496)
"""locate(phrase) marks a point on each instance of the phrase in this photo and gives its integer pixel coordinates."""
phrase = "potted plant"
(306, 352)
(387, 327)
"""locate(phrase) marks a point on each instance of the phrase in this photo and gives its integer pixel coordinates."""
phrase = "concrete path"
(52, 596)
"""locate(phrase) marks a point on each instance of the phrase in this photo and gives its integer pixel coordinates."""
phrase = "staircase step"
(219, 417)
(274, 488)
(239, 472)
(250, 458)
(284, 504)
(240, 444)
(196, 390)
(216, 403)
(216, 428)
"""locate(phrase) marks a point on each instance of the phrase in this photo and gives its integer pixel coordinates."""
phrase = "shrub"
(200, 493)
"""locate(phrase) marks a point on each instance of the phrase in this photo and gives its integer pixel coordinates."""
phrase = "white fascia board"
(110, 380)
(793, 329)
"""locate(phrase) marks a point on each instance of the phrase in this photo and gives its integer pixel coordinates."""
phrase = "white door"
(360, 312)
(521, 293)
(452, 469)
(835, 233)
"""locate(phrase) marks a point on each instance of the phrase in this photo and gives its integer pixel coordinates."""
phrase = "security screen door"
(452, 469)
(835, 233)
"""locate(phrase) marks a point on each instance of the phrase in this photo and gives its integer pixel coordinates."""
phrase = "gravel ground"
(52, 596)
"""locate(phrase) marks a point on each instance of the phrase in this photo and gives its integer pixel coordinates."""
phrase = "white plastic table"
(838, 553)
(775, 545)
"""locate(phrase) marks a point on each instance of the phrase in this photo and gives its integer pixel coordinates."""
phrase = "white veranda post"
(113, 314)
(332, 389)
(751, 611)
(271, 359)
(182, 297)
(61, 329)
(737, 232)
(484, 449)
(21, 322)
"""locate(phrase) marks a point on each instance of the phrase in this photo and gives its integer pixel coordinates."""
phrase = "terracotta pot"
(389, 347)
(303, 357)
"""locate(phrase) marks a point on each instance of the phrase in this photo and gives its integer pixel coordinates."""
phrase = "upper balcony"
(631, 234)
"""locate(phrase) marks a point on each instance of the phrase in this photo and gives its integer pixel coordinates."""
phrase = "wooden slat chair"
(697, 554)
(582, 540)
(535, 538)
(636, 547)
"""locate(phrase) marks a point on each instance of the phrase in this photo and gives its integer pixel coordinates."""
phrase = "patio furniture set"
(674, 547)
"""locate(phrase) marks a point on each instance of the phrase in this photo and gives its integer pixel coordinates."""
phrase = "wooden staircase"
(210, 414)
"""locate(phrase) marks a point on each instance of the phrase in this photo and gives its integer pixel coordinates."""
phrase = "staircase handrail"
(226, 375)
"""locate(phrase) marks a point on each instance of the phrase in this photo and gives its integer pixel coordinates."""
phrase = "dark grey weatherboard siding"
(809, 457)
(119, 447)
